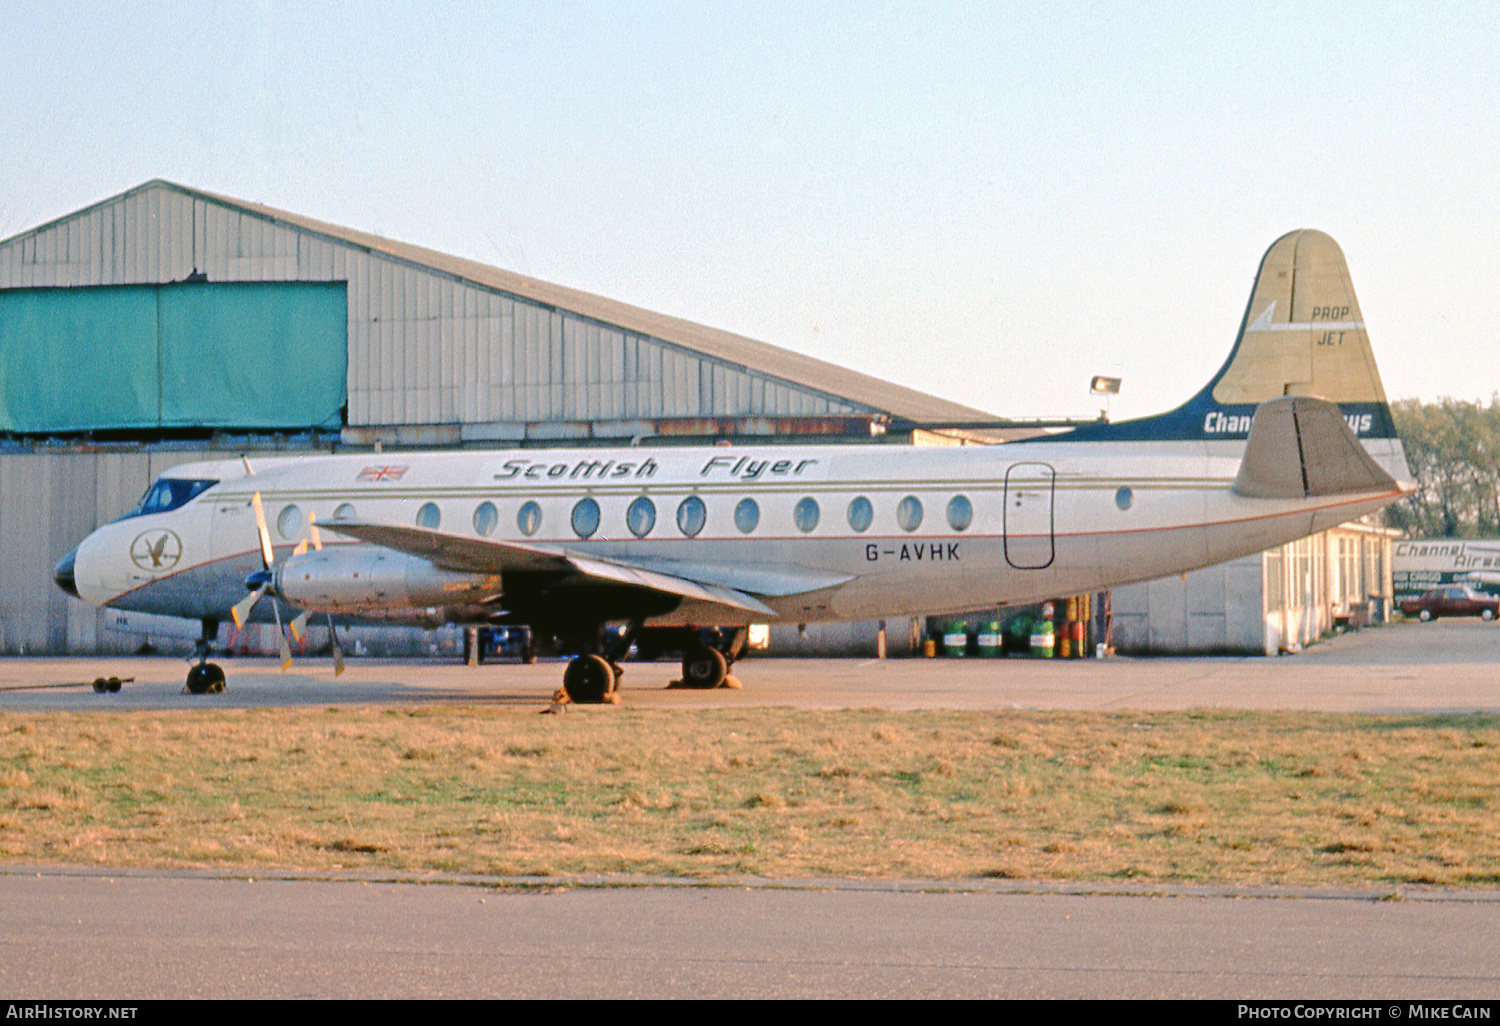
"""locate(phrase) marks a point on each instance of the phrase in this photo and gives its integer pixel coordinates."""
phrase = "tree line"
(1453, 450)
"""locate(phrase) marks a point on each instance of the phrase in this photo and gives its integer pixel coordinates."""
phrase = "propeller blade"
(267, 554)
(241, 610)
(299, 626)
(338, 653)
(301, 548)
(281, 642)
(312, 531)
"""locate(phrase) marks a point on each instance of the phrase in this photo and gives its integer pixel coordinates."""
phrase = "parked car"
(1452, 600)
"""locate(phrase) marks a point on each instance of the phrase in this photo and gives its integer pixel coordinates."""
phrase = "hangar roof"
(758, 357)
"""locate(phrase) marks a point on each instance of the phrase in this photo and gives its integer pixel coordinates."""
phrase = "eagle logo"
(156, 551)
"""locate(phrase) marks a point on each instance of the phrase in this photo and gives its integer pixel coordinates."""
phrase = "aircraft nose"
(63, 573)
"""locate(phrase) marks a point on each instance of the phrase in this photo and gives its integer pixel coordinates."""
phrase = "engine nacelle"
(369, 579)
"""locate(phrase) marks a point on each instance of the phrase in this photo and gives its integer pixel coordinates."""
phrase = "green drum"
(1043, 640)
(1018, 633)
(991, 639)
(955, 639)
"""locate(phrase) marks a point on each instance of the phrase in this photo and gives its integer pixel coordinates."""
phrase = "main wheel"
(1424, 615)
(1486, 614)
(588, 679)
(704, 668)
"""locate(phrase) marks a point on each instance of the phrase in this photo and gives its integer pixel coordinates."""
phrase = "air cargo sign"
(1420, 564)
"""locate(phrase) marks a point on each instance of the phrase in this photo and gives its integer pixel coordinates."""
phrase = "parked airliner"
(685, 546)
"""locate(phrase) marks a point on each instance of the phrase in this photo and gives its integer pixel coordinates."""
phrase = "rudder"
(1303, 332)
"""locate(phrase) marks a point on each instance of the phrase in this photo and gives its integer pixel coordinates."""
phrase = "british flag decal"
(387, 473)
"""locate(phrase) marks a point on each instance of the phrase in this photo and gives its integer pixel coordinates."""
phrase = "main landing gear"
(593, 678)
(206, 678)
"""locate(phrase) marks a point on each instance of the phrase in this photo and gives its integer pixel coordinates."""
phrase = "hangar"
(167, 322)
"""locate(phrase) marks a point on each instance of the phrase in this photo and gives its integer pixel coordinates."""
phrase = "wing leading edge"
(730, 586)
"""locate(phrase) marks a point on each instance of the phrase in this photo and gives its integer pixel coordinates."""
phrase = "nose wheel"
(205, 679)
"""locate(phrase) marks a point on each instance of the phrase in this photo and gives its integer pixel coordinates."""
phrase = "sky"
(989, 202)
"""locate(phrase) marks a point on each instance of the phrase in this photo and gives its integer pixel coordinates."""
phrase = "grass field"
(1294, 798)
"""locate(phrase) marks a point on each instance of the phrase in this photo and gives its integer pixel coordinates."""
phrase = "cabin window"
(345, 511)
(290, 522)
(1124, 497)
(861, 513)
(486, 516)
(692, 514)
(429, 516)
(909, 513)
(529, 518)
(641, 517)
(585, 518)
(960, 512)
(805, 514)
(747, 515)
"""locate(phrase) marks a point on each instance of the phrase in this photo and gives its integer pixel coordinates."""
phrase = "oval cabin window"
(692, 514)
(909, 513)
(861, 514)
(486, 516)
(805, 514)
(585, 518)
(529, 518)
(641, 517)
(960, 512)
(290, 522)
(747, 515)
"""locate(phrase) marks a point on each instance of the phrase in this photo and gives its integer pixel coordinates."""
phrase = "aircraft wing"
(486, 556)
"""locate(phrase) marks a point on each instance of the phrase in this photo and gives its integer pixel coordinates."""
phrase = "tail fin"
(1302, 334)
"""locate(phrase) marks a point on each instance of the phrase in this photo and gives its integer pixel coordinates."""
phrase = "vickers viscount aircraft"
(684, 547)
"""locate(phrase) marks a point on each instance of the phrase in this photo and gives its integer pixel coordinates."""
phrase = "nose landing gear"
(206, 678)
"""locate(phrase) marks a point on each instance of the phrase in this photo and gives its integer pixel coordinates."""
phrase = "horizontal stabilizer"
(1299, 447)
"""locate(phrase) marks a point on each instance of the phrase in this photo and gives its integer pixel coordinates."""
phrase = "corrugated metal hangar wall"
(138, 333)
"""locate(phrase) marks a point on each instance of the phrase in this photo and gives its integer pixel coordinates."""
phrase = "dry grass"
(1232, 797)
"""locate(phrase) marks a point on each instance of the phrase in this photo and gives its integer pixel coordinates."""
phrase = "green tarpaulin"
(270, 355)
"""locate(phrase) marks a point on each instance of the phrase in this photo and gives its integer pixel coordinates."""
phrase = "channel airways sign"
(1422, 563)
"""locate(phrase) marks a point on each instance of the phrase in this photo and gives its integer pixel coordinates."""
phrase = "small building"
(1278, 600)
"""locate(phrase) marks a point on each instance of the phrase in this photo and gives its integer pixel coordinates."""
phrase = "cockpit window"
(169, 493)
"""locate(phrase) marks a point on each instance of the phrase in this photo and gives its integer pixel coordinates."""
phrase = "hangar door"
(1028, 515)
(271, 355)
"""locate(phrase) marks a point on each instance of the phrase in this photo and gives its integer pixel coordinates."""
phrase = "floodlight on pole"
(1105, 386)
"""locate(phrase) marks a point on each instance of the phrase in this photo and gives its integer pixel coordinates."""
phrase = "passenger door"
(1028, 515)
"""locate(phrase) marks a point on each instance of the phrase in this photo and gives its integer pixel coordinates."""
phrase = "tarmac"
(82, 933)
(1444, 666)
